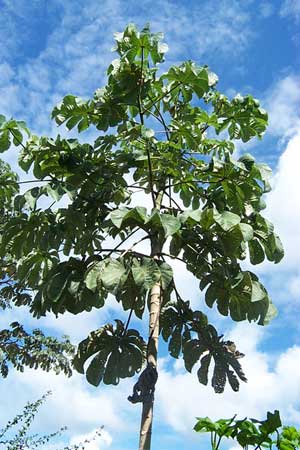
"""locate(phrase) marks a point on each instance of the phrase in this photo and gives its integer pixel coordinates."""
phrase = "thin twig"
(161, 118)
(122, 242)
(130, 314)
(196, 181)
(16, 138)
(23, 182)
(174, 201)
(163, 96)
(173, 257)
(135, 244)
(150, 174)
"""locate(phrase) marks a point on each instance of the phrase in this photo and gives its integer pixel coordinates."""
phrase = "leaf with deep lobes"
(96, 369)
(192, 350)
(203, 370)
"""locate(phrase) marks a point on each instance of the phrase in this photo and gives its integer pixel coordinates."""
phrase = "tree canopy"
(170, 135)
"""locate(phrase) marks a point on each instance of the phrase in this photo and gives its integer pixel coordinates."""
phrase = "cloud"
(73, 55)
(93, 440)
(283, 206)
(6, 73)
(283, 106)
(266, 9)
(77, 327)
(271, 385)
(291, 9)
(222, 26)
(73, 403)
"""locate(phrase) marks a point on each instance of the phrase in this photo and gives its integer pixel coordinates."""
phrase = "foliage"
(251, 433)
(22, 440)
(18, 347)
(118, 354)
(76, 236)
(35, 350)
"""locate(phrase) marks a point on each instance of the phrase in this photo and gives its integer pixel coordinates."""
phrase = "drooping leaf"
(226, 220)
(203, 370)
(113, 274)
(146, 273)
(171, 224)
(256, 251)
(117, 353)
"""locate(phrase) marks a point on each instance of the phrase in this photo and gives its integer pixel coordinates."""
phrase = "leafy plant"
(35, 350)
(172, 137)
(251, 433)
(22, 440)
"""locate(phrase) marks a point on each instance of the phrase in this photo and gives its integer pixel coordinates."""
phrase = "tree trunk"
(154, 312)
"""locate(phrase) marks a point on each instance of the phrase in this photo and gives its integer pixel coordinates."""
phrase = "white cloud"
(73, 403)
(283, 106)
(93, 441)
(181, 398)
(266, 9)
(283, 205)
(6, 73)
(294, 286)
(77, 50)
(76, 326)
(290, 8)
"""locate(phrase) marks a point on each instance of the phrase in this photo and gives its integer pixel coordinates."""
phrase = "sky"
(50, 48)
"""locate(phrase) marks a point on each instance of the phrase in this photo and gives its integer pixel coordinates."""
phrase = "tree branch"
(135, 244)
(172, 199)
(163, 96)
(16, 138)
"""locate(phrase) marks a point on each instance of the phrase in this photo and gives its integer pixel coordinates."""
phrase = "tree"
(18, 347)
(170, 136)
(22, 440)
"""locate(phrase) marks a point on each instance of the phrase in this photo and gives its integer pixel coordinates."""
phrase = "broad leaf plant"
(171, 136)
(250, 433)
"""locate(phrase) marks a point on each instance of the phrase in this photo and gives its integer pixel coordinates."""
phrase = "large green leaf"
(171, 224)
(113, 274)
(117, 353)
(124, 216)
(146, 273)
(226, 219)
(166, 274)
(192, 351)
(175, 342)
(257, 254)
(223, 353)
(203, 370)
(96, 369)
(74, 111)
(4, 141)
(57, 284)
(166, 222)
(258, 292)
(93, 275)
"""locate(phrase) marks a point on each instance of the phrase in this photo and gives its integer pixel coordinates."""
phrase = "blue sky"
(52, 48)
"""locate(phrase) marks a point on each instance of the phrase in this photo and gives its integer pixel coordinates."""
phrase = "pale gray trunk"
(154, 312)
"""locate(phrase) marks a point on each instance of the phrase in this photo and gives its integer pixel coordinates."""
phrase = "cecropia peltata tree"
(170, 135)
